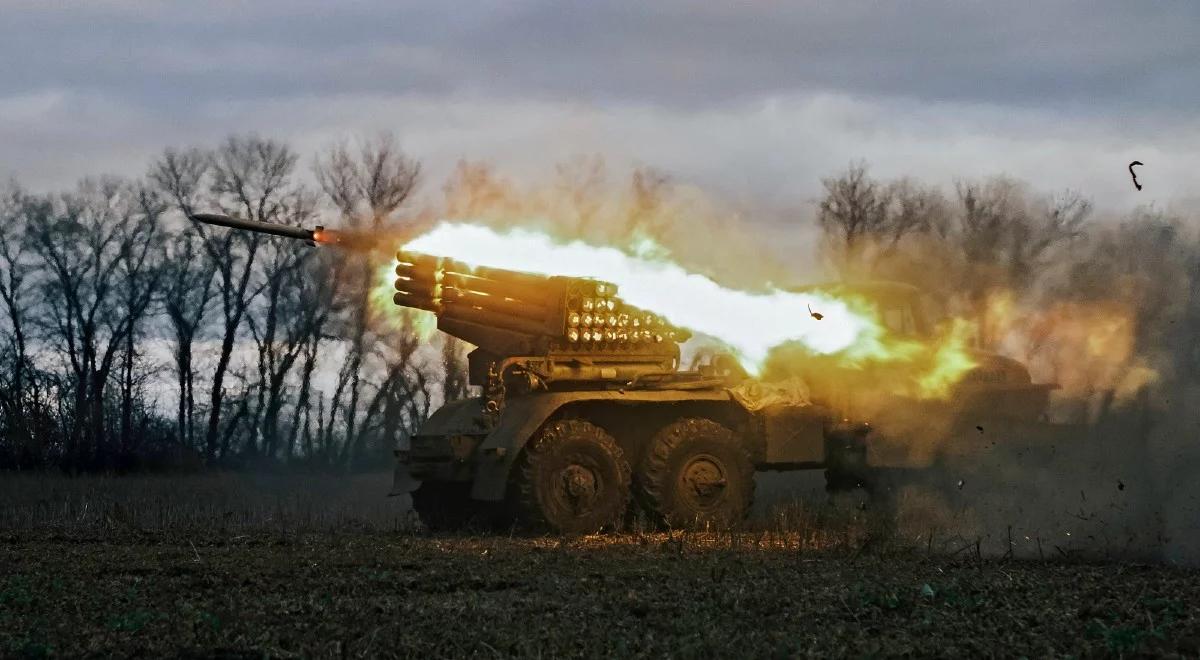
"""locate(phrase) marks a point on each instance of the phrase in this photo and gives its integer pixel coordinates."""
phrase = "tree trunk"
(127, 396)
(102, 453)
(183, 363)
(217, 396)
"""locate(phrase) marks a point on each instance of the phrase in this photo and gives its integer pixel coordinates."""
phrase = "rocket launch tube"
(545, 296)
(421, 262)
(459, 311)
(497, 304)
(273, 229)
(416, 300)
(483, 293)
(452, 309)
(415, 295)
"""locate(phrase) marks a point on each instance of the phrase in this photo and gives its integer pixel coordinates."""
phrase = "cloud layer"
(757, 101)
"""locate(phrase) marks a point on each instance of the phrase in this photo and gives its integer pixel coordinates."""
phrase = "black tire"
(572, 478)
(444, 506)
(696, 473)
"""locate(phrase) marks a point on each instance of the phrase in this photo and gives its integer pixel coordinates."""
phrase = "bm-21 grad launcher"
(585, 414)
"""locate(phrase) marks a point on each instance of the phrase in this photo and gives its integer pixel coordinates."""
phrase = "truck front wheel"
(573, 478)
(696, 473)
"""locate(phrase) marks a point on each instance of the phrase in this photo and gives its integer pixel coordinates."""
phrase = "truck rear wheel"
(573, 478)
(696, 473)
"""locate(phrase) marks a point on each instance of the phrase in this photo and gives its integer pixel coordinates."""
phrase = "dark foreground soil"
(371, 594)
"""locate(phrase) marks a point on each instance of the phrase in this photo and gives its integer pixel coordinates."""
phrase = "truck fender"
(462, 417)
(524, 415)
(457, 418)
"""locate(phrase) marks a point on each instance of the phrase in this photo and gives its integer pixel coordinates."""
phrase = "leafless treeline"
(1075, 284)
(114, 309)
(108, 294)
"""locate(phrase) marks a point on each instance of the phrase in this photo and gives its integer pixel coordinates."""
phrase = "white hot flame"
(749, 323)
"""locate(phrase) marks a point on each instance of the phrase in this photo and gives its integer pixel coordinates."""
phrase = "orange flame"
(1085, 347)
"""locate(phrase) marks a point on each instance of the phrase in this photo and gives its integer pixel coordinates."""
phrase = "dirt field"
(307, 566)
(380, 594)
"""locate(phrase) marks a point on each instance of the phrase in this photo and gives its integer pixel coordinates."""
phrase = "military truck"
(586, 415)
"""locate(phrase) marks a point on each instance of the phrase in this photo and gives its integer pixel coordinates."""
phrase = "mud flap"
(402, 479)
(846, 455)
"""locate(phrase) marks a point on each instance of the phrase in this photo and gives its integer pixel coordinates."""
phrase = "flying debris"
(1134, 174)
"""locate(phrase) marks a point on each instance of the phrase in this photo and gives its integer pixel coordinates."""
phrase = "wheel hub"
(704, 479)
(579, 486)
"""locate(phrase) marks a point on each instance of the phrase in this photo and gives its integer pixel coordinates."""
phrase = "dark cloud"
(1086, 56)
(758, 99)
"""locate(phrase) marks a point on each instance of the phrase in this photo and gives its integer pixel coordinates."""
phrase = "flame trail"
(749, 323)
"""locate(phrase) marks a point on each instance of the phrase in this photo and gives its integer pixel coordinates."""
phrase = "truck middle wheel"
(573, 478)
(696, 473)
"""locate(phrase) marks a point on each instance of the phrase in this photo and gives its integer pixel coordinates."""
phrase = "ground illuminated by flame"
(749, 323)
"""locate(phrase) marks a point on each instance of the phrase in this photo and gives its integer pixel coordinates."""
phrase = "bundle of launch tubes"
(585, 314)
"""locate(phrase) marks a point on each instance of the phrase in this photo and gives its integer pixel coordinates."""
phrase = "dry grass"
(211, 503)
(237, 565)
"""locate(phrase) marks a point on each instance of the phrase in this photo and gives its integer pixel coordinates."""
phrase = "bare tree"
(303, 429)
(1007, 237)
(368, 188)
(1053, 226)
(1150, 263)
(140, 274)
(296, 304)
(864, 220)
(250, 177)
(187, 296)
(14, 284)
(18, 387)
(318, 293)
(402, 398)
(97, 247)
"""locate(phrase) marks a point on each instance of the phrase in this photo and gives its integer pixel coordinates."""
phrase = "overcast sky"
(757, 100)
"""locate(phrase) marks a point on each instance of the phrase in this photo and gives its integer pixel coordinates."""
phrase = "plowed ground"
(377, 594)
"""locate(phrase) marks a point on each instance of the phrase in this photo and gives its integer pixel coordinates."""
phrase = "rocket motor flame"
(749, 323)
